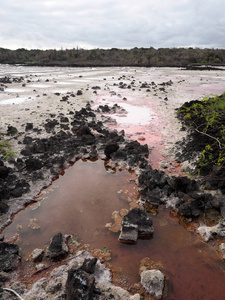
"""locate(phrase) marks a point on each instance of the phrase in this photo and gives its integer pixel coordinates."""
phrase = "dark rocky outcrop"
(79, 285)
(33, 164)
(3, 208)
(80, 282)
(9, 257)
(110, 149)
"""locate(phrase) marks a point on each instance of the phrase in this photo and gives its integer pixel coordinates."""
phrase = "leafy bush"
(206, 121)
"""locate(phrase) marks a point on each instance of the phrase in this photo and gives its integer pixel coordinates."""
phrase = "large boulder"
(136, 224)
(79, 285)
(153, 282)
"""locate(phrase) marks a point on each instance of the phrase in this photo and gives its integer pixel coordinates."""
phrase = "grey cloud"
(107, 24)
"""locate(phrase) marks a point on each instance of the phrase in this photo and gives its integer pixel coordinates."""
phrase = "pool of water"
(81, 203)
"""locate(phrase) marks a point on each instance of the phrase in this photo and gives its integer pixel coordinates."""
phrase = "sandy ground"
(150, 113)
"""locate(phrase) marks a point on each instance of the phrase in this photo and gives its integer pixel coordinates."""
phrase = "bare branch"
(212, 137)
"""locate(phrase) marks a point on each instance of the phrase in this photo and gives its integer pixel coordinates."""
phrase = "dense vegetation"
(206, 121)
(171, 57)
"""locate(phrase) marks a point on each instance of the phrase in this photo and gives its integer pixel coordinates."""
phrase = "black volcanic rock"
(57, 248)
(9, 257)
(79, 285)
(136, 224)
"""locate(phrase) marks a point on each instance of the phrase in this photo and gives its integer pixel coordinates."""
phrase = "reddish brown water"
(81, 202)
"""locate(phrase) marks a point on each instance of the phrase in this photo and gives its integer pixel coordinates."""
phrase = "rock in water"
(129, 234)
(153, 282)
(79, 285)
(57, 248)
(136, 224)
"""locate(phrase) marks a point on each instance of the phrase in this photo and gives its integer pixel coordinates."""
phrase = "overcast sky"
(88, 24)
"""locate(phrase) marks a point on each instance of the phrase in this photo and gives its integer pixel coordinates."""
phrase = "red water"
(81, 202)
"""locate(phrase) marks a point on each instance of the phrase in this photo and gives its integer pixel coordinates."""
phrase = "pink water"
(81, 203)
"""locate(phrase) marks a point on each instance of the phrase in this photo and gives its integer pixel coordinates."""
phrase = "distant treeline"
(147, 57)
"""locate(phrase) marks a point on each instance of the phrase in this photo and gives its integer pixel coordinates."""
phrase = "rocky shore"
(45, 148)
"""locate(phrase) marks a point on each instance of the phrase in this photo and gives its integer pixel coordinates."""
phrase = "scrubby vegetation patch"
(205, 120)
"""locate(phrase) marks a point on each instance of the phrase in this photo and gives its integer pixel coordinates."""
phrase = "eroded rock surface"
(71, 281)
(57, 248)
(9, 257)
(209, 232)
(136, 224)
(153, 282)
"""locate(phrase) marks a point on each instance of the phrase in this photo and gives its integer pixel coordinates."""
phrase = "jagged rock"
(129, 234)
(4, 172)
(153, 282)
(152, 197)
(104, 108)
(19, 187)
(79, 285)
(185, 184)
(79, 93)
(110, 148)
(89, 265)
(37, 255)
(82, 130)
(136, 224)
(119, 155)
(57, 248)
(29, 126)
(50, 125)
(64, 119)
(188, 206)
(208, 232)
(33, 164)
(9, 257)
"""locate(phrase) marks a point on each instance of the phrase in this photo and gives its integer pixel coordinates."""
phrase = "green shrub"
(6, 149)
(206, 120)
